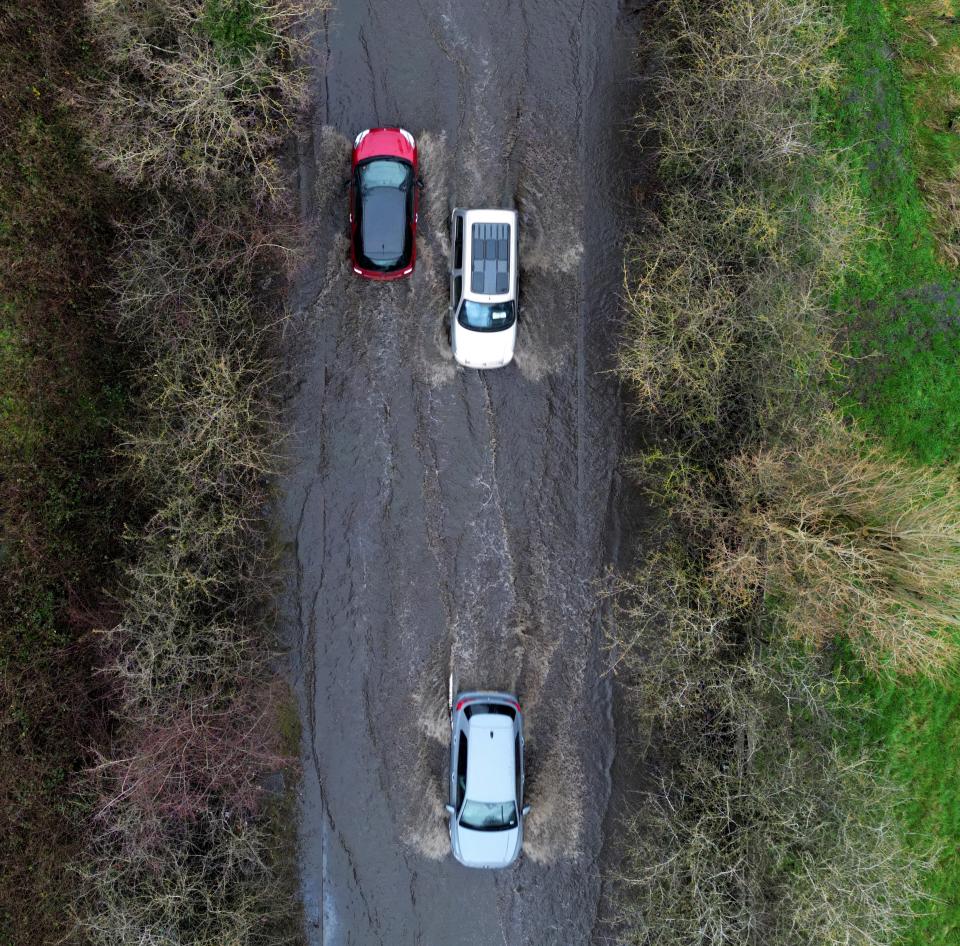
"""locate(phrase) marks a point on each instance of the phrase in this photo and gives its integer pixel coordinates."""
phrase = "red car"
(384, 196)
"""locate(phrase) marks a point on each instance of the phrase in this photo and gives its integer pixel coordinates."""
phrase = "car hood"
(484, 349)
(385, 142)
(487, 848)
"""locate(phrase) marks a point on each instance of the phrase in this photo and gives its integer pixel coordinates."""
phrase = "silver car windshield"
(488, 816)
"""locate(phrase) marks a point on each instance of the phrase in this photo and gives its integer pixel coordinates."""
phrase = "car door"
(456, 264)
(518, 763)
(460, 786)
(354, 208)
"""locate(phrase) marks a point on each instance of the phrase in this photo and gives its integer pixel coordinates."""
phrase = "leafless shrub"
(827, 532)
(775, 845)
(204, 255)
(726, 329)
(707, 353)
(203, 455)
(209, 411)
(735, 79)
(210, 751)
(754, 829)
(196, 735)
(672, 628)
(176, 109)
(211, 881)
(181, 849)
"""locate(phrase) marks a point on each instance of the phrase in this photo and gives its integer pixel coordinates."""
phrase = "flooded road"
(446, 521)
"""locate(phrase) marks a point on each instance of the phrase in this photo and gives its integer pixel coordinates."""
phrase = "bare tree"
(754, 828)
(179, 109)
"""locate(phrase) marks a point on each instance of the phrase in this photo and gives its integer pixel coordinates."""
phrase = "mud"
(441, 521)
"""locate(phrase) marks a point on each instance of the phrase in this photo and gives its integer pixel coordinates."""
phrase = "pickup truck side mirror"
(420, 183)
(450, 809)
(526, 811)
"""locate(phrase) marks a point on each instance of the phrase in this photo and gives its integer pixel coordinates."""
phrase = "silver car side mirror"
(450, 809)
(526, 811)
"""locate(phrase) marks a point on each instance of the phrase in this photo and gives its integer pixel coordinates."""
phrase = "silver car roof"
(491, 765)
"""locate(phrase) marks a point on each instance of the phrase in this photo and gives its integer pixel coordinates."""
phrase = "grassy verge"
(786, 520)
(190, 840)
(61, 393)
(904, 300)
(893, 113)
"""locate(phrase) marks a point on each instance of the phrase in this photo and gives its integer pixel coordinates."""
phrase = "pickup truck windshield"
(487, 316)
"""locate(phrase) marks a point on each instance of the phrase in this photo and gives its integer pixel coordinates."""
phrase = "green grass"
(902, 310)
(236, 27)
(60, 395)
(915, 729)
(903, 306)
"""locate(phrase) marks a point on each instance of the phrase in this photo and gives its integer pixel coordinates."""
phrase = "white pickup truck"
(483, 287)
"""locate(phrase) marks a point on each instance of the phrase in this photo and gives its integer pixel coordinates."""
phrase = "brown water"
(442, 521)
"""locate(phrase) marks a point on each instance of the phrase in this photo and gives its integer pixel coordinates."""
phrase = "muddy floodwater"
(442, 521)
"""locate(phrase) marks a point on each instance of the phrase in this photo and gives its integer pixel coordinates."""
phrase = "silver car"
(486, 780)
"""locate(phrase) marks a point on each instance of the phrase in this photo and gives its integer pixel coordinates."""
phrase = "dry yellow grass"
(843, 538)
